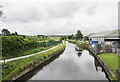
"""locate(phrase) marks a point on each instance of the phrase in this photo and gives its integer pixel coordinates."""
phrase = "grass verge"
(111, 60)
(31, 51)
(72, 41)
(12, 68)
(79, 43)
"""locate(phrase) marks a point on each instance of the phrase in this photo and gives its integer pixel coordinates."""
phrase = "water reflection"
(98, 66)
(28, 75)
(79, 54)
(75, 63)
(79, 50)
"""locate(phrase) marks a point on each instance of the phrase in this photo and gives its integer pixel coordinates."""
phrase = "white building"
(107, 37)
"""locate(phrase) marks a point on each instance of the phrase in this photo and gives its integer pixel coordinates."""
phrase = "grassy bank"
(79, 43)
(72, 41)
(12, 68)
(16, 46)
(55, 38)
(111, 60)
(31, 51)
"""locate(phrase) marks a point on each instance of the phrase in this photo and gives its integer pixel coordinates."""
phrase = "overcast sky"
(59, 16)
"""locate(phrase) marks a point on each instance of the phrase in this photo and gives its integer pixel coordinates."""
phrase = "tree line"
(77, 36)
(13, 44)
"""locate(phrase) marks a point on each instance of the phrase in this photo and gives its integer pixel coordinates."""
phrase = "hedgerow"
(12, 68)
(14, 46)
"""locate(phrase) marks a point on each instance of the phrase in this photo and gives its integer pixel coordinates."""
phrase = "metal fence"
(47, 44)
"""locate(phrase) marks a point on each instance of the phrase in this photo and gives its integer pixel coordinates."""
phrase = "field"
(55, 38)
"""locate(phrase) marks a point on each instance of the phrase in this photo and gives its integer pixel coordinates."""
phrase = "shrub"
(12, 46)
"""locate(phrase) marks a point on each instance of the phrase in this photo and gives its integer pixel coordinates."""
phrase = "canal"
(74, 63)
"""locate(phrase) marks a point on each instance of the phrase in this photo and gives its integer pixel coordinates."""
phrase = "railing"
(47, 44)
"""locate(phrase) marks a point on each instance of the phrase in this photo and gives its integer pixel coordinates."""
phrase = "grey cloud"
(25, 15)
(59, 18)
(90, 10)
(65, 9)
(49, 12)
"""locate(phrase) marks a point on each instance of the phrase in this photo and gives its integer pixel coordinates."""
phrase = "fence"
(47, 44)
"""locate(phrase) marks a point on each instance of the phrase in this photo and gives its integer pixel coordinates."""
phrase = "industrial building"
(108, 37)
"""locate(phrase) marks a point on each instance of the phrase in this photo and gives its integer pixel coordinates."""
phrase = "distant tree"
(16, 33)
(85, 38)
(12, 34)
(24, 36)
(38, 36)
(46, 37)
(1, 13)
(71, 36)
(79, 35)
(41, 36)
(5, 32)
(63, 37)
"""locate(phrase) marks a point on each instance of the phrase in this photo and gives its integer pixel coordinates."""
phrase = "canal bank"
(25, 65)
(74, 63)
(111, 76)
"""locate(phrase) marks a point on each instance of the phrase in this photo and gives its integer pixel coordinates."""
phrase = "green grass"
(77, 42)
(80, 42)
(10, 69)
(72, 41)
(111, 60)
(55, 38)
(50, 38)
(31, 51)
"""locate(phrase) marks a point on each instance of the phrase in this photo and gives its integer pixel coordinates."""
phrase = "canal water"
(75, 63)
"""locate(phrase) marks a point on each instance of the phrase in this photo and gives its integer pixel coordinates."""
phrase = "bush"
(80, 42)
(16, 66)
(12, 46)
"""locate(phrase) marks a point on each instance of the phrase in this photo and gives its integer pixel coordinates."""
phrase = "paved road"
(29, 55)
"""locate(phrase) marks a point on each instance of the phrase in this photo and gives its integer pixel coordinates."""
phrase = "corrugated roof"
(113, 33)
(87, 34)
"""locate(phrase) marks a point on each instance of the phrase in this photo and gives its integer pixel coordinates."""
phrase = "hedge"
(12, 46)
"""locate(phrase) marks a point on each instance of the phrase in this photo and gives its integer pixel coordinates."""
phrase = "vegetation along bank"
(16, 68)
(16, 46)
(108, 61)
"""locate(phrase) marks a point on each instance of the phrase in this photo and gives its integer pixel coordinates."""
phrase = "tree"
(79, 35)
(62, 38)
(71, 36)
(85, 38)
(1, 13)
(12, 34)
(5, 32)
(16, 33)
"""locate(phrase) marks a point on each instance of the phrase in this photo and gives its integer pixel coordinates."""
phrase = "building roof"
(87, 34)
(107, 34)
